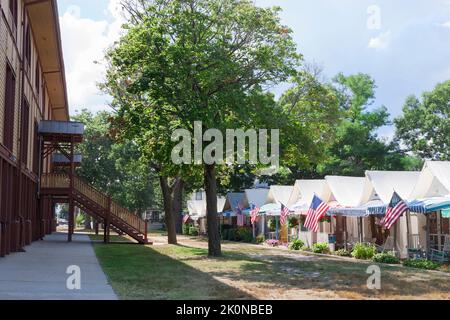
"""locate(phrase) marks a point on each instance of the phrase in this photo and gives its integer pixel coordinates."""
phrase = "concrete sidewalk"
(40, 273)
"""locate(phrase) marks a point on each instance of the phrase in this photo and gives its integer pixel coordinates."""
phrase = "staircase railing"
(59, 181)
(55, 181)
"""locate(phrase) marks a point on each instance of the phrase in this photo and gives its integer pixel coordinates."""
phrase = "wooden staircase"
(96, 204)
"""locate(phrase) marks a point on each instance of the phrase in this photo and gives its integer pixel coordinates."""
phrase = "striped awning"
(426, 205)
(371, 208)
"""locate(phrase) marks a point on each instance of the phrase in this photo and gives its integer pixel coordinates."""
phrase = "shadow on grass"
(141, 272)
(186, 272)
(345, 278)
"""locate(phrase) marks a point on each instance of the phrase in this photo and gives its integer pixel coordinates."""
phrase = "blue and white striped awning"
(370, 208)
(426, 205)
(429, 204)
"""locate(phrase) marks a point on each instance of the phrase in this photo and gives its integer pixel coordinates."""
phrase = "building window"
(25, 130)
(10, 99)
(199, 195)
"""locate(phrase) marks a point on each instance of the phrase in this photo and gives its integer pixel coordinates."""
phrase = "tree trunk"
(169, 216)
(177, 203)
(214, 247)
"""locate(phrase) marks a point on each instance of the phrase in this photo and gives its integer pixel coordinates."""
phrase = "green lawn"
(185, 272)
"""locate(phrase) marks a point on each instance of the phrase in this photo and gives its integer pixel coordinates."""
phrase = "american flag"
(317, 210)
(254, 213)
(283, 214)
(240, 215)
(394, 211)
(186, 218)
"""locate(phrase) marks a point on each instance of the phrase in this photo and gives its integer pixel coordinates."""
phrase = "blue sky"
(403, 44)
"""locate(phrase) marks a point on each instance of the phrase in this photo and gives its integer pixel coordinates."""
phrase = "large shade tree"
(424, 127)
(197, 60)
(115, 168)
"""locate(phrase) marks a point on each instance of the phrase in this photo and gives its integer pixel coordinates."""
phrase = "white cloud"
(446, 24)
(84, 43)
(381, 41)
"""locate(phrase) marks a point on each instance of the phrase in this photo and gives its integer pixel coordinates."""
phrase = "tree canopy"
(424, 127)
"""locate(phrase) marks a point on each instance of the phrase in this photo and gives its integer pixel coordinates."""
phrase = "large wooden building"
(32, 89)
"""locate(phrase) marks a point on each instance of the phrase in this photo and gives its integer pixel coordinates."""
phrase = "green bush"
(296, 244)
(343, 253)
(244, 234)
(364, 251)
(224, 234)
(260, 238)
(320, 248)
(421, 264)
(386, 257)
(193, 231)
(79, 220)
(185, 229)
(305, 248)
(232, 234)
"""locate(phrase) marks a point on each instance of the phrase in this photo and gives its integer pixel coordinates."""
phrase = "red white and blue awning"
(426, 205)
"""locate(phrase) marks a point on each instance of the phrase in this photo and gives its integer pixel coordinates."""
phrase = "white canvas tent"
(232, 201)
(403, 182)
(434, 180)
(276, 196)
(256, 197)
(351, 194)
(303, 193)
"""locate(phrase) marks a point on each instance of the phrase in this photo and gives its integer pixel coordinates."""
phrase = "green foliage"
(232, 234)
(296, 244)
(115, 167)
(260, 238)
(356, 147)
(421, 264)
(320, 248)
(424, 127)
(305, 248)
(386, 257)
(185, 228)
(342, 253)
(364, 251)
(244, 234)
(193, 231)
(79, 220)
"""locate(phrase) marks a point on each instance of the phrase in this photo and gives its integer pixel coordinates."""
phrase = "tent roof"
(349, 191)
(198, 207)
(256, 197)
(308, 188)
(386, 182)
(233, 199)
(434, 180)
(279, 194)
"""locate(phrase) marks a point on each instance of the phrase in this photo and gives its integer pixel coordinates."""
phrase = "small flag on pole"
(317, 210)
(186, 218)
(394, 211)
(283, 214)
(254, 213)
